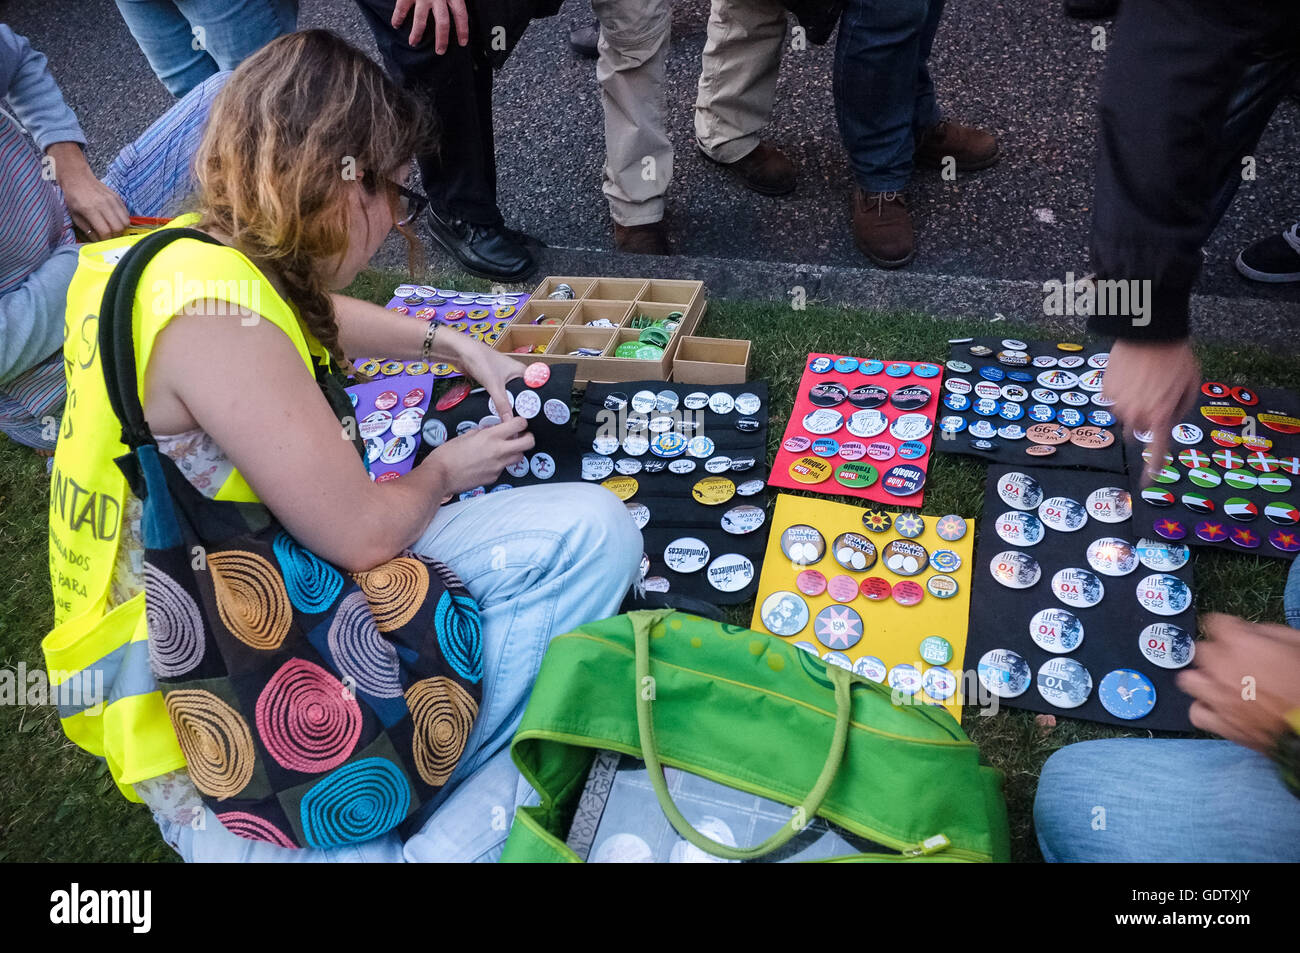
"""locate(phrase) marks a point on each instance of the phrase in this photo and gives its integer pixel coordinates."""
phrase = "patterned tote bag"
(315, 708)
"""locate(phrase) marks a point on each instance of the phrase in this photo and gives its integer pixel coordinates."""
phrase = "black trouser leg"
(1172, 131)
(461, 178)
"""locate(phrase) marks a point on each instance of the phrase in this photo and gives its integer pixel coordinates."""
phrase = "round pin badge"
(939, 683)
(1044, 361)
(909, 525)
(1069, 417)
(1057, 379)
(1167, 645)
(1074, 398)
(1056, 630)
(640, 514)
(912, 449)
(898, 369)
(903, 479)
(1051, 435)
(871, 668)
(846, 365)
(926, 370)
(695, 400)
(1169, 529)
(1275, 484)
(1187, 434)
(1101, 418)
(398, 449)
(991, 375)
(877, 521)
(784, 613)
(537, 374)
(950, 528)
(810, 582)
(1244, 537)
(945, 561)
(519, 469)
(1162, 556)
(607, 443)
(876, 589)
(1204, 478)
(1064, 682)
(1004, 672)
(700, 447)
(1158, 496)
(1063, 514)
(434, 432)
(1020, 490)
(842, 588)
(803, 545)
(958, 367)
(722, 403)
(1112, 556)
(911, 398)
(1163, 594)
(828, 394)
(713, 490)
(856, 475)
(983, 430)
(743, 519)
(904, 557)
(935, 650)
(862, 423)
(556, 411)
(669, 444)
(1127, 694)
(1019, 528)
(750, 488)
(465, 426)
(868, 396)
(986, 407)
(375, 424)
(1285, 541)
(666, 401)
(908, 427)
(824, 421)
(1197, 502)
(796, 443)
(1110, 504)
(811, 470)
(1010, 411)
(824, 446)
(1212, 531)
(528, 404)
(957, 386)
(838, 627)
(688, 554)
(871, 368)
(374, 447)
(941, 586)
(730, 572)
(821, 365)
(719, 464)
(1079, 588)
(542, 466)
(636, 444)
(956, 402)
(643, 401)
(1282, 513)
(905, 679)
(408, 422)
(852, 450)
(881, 450)
(854, 552)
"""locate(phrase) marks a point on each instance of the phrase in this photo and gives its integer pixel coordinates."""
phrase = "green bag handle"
(645, 724)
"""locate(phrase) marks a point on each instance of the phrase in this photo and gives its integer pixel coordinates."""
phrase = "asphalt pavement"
(1016, 66)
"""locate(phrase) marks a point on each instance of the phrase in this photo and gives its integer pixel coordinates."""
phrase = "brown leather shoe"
(649, 239)
(972, 148)
(765, 170)
(882, 228)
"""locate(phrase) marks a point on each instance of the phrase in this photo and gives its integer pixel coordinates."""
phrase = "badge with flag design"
(1289, 465)
(1275, 484)
(1288, 541)
(1194, 459)
(1280, 423)
(1158, 496)
(1228, 459)
(1261, 462)
(1204, 478)
(1241, 479)
(1245, 538)
(1283, 513)
(1225, 438)
(1211, 532)
(1227, 416)
(1240, 508)
(1256, 442)
(1198, 502)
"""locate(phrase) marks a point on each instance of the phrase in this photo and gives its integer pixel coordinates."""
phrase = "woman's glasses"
(410, 203)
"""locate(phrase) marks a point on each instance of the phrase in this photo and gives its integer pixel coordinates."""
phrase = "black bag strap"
(116, 340)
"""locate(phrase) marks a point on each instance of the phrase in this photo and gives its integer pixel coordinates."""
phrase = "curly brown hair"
(296, 125)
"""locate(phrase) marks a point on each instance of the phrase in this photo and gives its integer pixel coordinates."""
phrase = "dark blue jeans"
(884, 97)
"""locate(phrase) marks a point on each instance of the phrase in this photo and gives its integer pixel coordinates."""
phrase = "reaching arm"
(31, 316)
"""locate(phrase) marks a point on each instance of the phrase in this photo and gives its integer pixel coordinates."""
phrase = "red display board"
(861, 427)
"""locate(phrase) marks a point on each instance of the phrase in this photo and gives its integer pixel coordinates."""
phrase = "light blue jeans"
(540, 561)
(186, 41)
(1168, 800)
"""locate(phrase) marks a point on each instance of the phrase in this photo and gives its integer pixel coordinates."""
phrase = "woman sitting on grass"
(300, 173)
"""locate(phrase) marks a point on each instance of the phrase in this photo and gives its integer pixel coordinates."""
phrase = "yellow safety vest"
(98, 660)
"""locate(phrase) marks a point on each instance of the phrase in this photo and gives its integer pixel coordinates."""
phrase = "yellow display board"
(891, 632)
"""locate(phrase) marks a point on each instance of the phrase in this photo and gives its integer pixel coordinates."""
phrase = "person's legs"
(167, 40)
(878, 57)
(926, 112)
(207, 842)
(638, 153)
(233, 30)
(741, 60)
(155, 174)
(1291, 597)
(1165, 800)
(540, 561)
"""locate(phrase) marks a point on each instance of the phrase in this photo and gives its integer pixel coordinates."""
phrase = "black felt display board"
(1272, 400)
(550, 438)
(674, 513)
(1110, 458)
(1001, 616)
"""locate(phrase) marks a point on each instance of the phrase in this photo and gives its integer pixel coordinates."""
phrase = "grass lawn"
(57, 803)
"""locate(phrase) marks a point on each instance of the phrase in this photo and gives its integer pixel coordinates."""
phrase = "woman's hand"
(1246, 679)
(1152, 383)
(96, 209)
(490, 368)
(445, 12)
(477, 458)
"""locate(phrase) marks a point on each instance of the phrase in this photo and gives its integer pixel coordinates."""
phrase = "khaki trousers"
(736, 88)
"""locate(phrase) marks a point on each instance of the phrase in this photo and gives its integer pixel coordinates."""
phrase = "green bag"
(755, 713)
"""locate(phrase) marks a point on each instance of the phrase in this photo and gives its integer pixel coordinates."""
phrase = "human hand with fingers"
(97, 211)
(444, 13)
(1152, 383)
(477, 458)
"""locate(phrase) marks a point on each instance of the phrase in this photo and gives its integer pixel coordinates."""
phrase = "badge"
(1041, 413)
(374, 447)
(636, 444)
(909, 525)
(935, 650)
(824, 446)
(1166, 475)
(1204, 478)
(903, 480)
(1052, 434)
(826, 421)
(1009, 411)
(1112, 556)
(897, 369)
(876, 521)
(1211, 531)
(748, 424)
(465, 426)
(743, 519)
(941, 586)
(1286, 541)
(904, 557)
(1164, 594)
(556, 411)
(810, 470)
(700, 447)
(398, 449)
(722, 403)
(408, 422)
(958, 367)
(875, 589)
(1039, 450)
(1261, 462)
(1170, 529)
(643, 401)
(810, 582)
(945, 561)
(1044, 360)
(905, 679)
(1004, 673)
(670, 444)
(1078, 587)
(1127, 694)
(689, 554)
(988, 387)
(846, 365)
(1072, 361)
(1156, 496)
(1056, 630)
(543, 466)
(518, 469)
(842, 588)
(640, 514)
(695, 400)
(982, 430)
(1161, 556)
(1091, 438)
(803, 545)
(855, 475)
(537, 374)
(987, 407)
(911, 398)
(1270, 484)
(1280, 423)
(1073, 398)
(1069, 417)
(852, 450)
(957, 386)
(1064, 682)
(1044, 396)
(1020, 490)
(870, 667)
(926, 370)
(375, 423)
(750, 488)
(391, 368)
(796, 443)
(827, 394)
(718, 465)
(820, 365)
(1091, 380)
(1019, 528)
(907, 427)
(907, 593)
(1239, 508)
(1015, 570)
(596, 467)
(661, 423)
(730, 572)
(950, 528)
(1167, 645)
(713, 490)
(980, 350)
(939, 683)
(1284, 514)
(1057, 379)
(854, 552)
(1197, 502)
(880, 450)
(434, 432)
(1063, 514)
(1110, 504)
(1243, 537)
(1187, 434)
(956, 402)
(1101, 418)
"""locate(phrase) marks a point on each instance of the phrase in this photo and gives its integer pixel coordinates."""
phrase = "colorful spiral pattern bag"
(315, 708)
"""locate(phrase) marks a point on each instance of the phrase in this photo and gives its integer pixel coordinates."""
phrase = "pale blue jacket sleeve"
(32, 315)
(32, 94)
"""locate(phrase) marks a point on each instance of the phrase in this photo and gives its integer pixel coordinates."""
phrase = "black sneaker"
(1275, 259)
(583, 38)
(487, 251)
